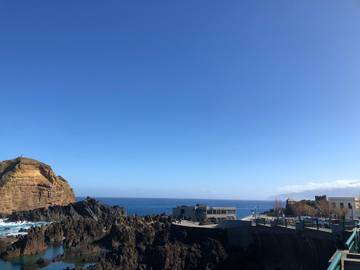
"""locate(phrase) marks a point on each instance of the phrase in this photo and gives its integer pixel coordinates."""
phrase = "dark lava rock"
(42, 262)
(90, 229)
(88, 208)
(30, 244)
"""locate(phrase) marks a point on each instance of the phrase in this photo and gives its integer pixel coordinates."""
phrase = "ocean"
(15, 228)
(147, 206)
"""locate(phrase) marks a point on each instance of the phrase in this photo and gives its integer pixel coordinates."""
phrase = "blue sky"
(183, 99)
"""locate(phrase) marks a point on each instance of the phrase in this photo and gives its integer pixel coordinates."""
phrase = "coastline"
(114, 241)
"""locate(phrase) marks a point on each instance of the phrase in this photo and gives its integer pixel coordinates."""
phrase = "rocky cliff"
(27, 184)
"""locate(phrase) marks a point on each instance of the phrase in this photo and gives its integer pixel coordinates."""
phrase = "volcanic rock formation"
(104, 235)
(27, 184)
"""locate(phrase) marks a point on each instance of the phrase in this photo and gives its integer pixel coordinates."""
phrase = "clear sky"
(183, 99)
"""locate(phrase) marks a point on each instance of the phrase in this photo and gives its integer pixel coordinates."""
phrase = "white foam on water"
(16, 228)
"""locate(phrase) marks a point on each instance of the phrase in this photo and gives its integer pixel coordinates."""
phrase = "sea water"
(16, 228)
(148, 206)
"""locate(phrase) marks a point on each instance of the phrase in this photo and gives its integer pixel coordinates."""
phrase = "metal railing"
(351, 245)
(311, 223)
(336, 262)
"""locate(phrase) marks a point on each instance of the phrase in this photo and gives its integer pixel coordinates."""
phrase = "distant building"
(203, 212)
(184, 212)
(290, 202)
(320, 198)
(349, 206)
(289, 207)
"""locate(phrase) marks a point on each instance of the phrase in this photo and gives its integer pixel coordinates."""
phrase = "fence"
(352, 246)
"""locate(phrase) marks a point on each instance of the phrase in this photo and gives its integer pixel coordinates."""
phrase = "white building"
(350, 205)
(221, 213)
(202, 212)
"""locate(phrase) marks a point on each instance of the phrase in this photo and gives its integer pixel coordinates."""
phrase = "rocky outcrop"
(88, 208)
(27, 184)
(30, 244)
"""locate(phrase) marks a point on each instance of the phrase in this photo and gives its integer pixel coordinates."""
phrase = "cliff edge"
(27, 184)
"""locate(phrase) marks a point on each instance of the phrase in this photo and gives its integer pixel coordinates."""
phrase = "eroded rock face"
(30, 244)
(27, 184)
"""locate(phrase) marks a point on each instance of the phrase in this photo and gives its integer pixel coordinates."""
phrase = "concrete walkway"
(187, 223)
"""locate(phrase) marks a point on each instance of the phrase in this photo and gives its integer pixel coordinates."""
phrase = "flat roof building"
(203, 212)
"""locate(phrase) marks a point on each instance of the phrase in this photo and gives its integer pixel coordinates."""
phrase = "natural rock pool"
(11, 229)
(30, 262)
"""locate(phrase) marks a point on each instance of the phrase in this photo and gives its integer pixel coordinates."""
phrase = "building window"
(341, 205)
(333, 205)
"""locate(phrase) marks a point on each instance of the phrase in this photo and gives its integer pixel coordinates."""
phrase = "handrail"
(336, 262)
(350, 248)
(351, 245)
(350, 242)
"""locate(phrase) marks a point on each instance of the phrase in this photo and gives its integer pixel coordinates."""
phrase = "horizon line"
(167, 198)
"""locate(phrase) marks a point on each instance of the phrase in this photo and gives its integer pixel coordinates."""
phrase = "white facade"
(221, 213)
(203, 212)
(349, 204)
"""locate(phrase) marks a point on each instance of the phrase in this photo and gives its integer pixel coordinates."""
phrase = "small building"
(348, 205)
(221, 213)
(320, 198)
(289, 203)
(184, 212)
(289, 207)
(203, 212)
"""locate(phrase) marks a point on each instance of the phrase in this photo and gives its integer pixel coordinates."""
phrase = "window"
(333, 205)
(341, 205)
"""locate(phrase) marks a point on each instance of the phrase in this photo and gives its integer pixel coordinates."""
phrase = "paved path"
(187, 223)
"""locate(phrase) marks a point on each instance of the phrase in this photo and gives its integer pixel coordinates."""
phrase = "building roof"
(341, 198)
(222, 208)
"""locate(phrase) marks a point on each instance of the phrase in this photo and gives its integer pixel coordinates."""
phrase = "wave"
(17, 228)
